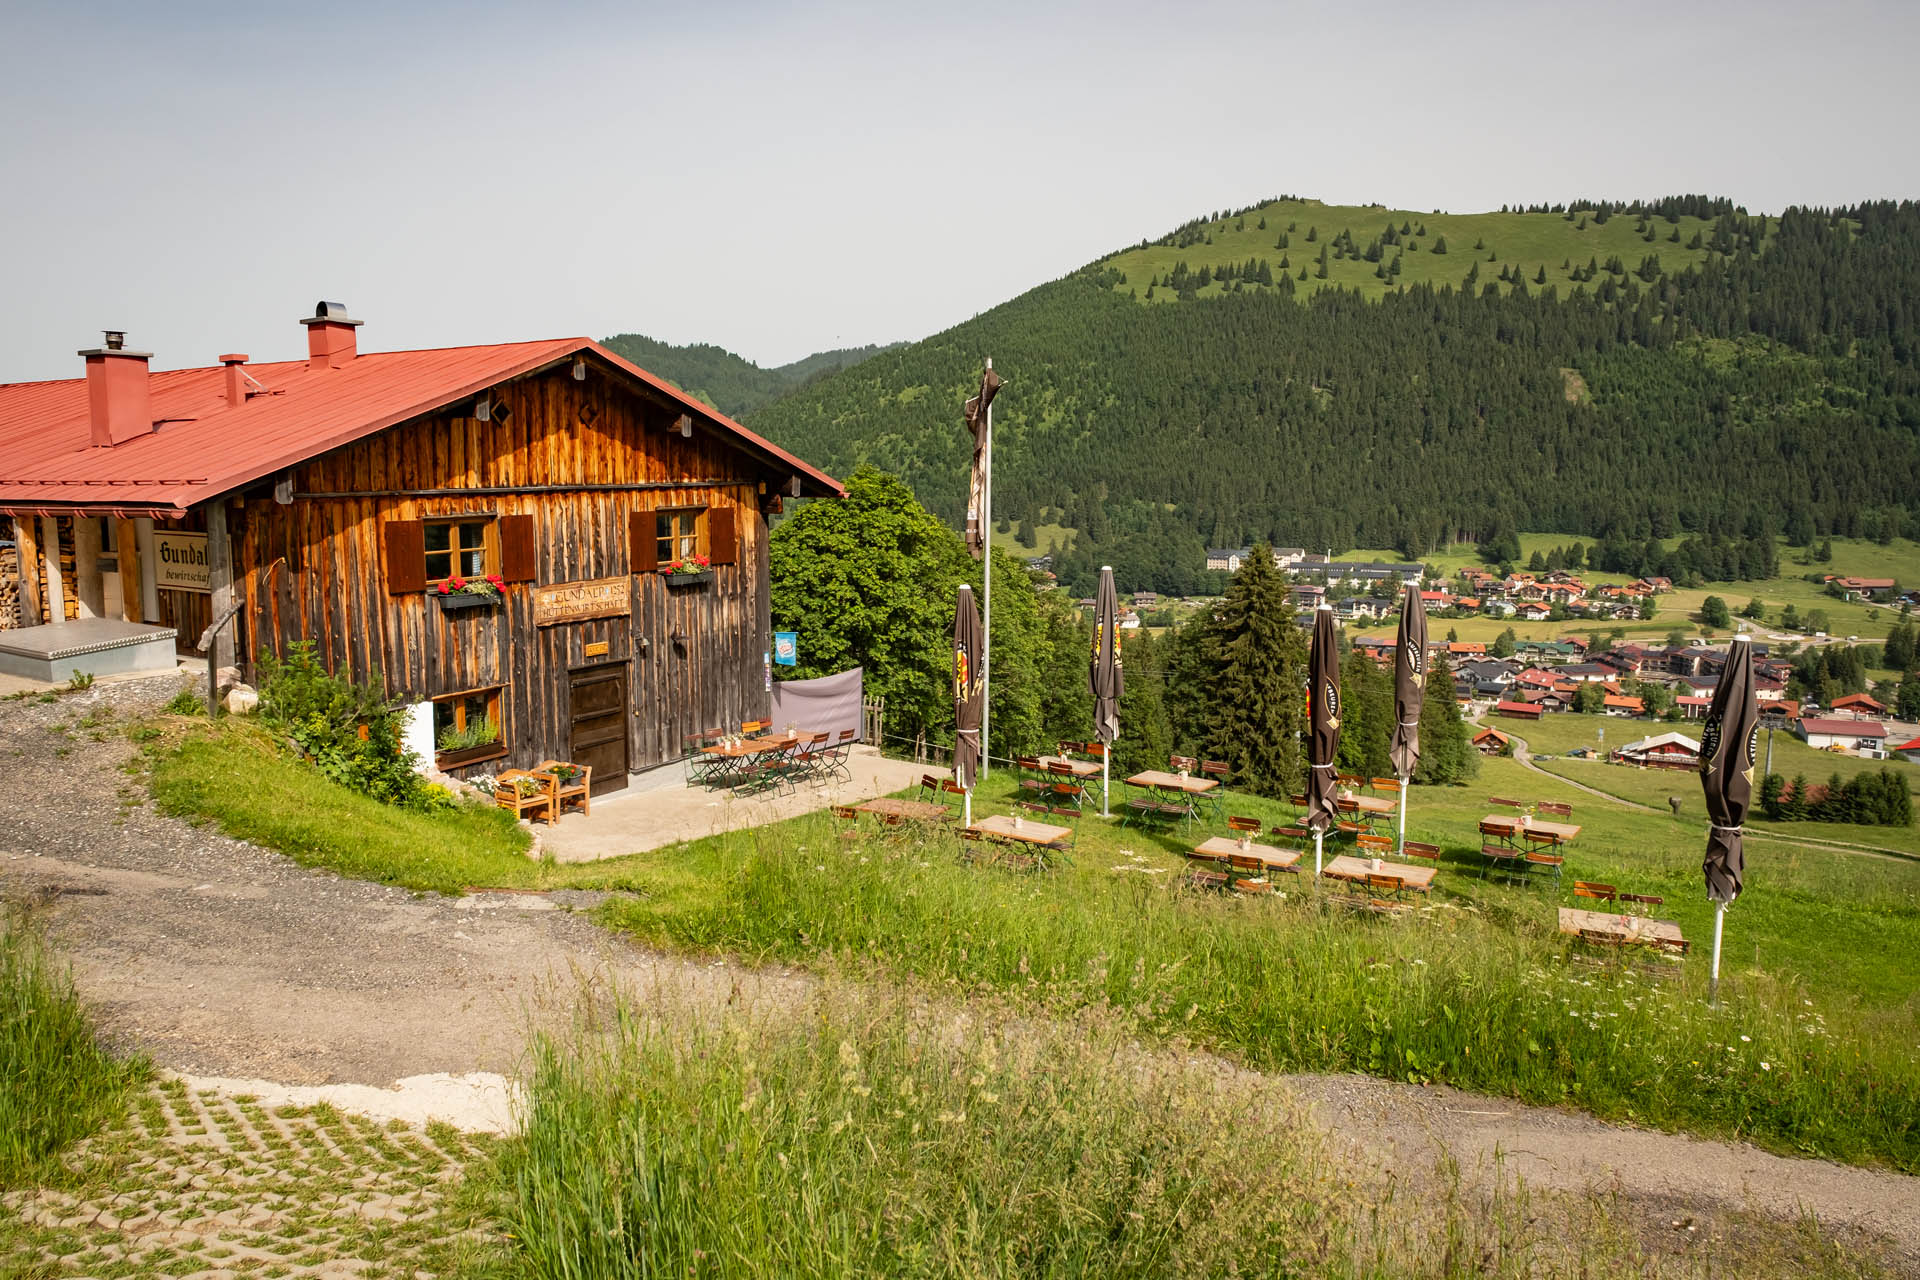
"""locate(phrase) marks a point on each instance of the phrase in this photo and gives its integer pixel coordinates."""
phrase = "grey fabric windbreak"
(1729, 742)
(1323, 717)
(969, 690)
(826, 704)
(1104, 673)
(1409, 683)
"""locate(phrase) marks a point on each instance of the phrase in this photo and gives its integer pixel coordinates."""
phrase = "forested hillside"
(731, 383)
(1759, 373)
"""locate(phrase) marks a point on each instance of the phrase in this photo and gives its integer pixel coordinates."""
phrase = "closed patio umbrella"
(1105, 674)
(979, 422)
(967, 697)
(1729, 741)
(1409, 695)
(1323, 729)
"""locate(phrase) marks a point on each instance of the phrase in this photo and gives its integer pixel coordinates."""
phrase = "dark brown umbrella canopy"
(1323, 713)
(967, 690)
(1409, 683)
(1105, 674)
(1728, 743)
(977, 480)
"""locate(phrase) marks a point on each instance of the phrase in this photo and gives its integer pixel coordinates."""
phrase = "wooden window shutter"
(644, 547)
(723, 542)
(518, 561)
(406, 556)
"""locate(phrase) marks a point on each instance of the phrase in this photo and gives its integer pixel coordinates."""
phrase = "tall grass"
(858, 1136)
(1446, 995)
(56, 1083)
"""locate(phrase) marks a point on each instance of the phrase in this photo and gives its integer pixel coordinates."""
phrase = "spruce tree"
(1439, 245)
(1446, 743)
(1258, 709)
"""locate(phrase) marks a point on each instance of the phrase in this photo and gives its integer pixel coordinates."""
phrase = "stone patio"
(661, 809)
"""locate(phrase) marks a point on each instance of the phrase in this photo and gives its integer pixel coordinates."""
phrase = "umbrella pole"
(1719, 918)
(1403, 817)
(966, 808)
(1103, 770)
(1318, 836)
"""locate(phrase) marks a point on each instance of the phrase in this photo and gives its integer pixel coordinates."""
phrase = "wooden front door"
(598, 719)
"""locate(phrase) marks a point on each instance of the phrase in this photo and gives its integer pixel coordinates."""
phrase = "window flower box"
(469, 593)
(469, 755)
(687, 573)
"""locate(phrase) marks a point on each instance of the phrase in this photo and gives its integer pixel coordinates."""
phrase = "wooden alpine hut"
(546, 550)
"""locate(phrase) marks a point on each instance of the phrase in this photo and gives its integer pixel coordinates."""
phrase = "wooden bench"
(1594, 889)
(1424, 852)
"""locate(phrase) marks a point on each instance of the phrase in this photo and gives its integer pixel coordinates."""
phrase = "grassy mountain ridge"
(733, 384)
(1769, 381)
(1434, 248)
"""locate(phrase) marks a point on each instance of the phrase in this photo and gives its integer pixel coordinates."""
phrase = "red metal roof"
(1844, 728)
(204, 447)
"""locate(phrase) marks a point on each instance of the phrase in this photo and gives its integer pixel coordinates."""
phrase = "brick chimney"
(330, 342)
(236, 378)
(119, 404)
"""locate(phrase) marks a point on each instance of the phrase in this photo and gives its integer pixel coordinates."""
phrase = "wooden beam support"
(50, 560)
(220, 579)
(126, 542)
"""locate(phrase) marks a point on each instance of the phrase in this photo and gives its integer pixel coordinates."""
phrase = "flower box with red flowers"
(687, 573)
(469, 593)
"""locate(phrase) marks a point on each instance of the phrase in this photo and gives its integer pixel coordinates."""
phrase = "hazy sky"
(780, 178)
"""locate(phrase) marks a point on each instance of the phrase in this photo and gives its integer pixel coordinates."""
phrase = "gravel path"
(223, 960)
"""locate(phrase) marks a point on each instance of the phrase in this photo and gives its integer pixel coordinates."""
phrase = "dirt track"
(220, 959)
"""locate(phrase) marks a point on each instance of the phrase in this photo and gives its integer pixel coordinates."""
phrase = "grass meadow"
(856, 1133)
(1812, 1049)
(1531, 241)
(56, 1084)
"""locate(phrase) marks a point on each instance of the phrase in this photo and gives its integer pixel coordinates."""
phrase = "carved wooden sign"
(579, 601)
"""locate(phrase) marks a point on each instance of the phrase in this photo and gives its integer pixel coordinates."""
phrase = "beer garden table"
(1168, 785)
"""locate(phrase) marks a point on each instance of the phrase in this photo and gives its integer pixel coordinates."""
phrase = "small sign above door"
(579, 601)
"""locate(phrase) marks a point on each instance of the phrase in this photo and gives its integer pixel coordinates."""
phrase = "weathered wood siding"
(313, 570)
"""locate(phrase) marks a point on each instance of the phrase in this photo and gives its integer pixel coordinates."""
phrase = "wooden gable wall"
(580, 458)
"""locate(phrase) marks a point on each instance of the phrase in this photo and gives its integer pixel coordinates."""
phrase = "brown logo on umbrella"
(1331, 693)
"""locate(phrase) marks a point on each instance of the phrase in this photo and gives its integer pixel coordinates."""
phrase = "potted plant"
(564, 774)
(470, 593)
(478, 741)
(690, 572)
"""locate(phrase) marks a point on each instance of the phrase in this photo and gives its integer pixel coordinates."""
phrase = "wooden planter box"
(454, 601)
(676, 581)
(444, 760)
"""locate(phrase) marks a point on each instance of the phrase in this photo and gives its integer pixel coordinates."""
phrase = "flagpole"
(986, 625)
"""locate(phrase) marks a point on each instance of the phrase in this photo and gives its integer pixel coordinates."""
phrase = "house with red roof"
(1518, 710)
(1909, 750)
(1843, 735)
(1615, 704)
(1859, 706)
(544, 550)
(1491, 742)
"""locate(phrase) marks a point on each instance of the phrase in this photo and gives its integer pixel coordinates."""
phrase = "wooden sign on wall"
(180, 561)
(579, 601)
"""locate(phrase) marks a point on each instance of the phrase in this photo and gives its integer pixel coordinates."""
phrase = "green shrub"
(56, 1084)
(348, 730)
(186, 703)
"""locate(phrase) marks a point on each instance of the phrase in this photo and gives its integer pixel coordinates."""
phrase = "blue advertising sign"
(786, 648)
